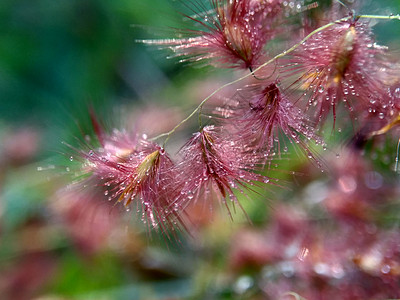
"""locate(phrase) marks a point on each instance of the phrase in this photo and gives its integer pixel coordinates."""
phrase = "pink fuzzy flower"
(341, 64)
(214, 166)
(262, 113)
(234, 33)
(133, 170)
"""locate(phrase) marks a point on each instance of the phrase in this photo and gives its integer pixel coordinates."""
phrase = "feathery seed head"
(132, 170)
(341, 64)
(214, 165)
(233, 35)
(262, 113)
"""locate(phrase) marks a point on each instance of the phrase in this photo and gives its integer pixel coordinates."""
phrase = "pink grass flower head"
(213, 166)
(234, 33)
(134, 170)
(262, 113)
(341, 64)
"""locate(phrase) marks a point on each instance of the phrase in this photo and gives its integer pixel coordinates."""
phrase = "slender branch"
(252, 73)
(391, 17)
(396, 169)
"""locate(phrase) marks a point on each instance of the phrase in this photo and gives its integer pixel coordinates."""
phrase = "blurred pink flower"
(88, 222)
(357, 191)
(24, 279)
(20, 145)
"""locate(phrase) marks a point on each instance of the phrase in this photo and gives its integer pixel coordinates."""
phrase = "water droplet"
(71, 158)
(385, 269)
(243, 284)
(105, 193)
(347, 184)
(396, 93)
(321, 89)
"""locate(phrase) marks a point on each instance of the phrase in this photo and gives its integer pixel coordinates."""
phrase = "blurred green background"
(58, 59)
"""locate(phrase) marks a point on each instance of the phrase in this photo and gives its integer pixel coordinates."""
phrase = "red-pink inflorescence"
(140, 174)
(261, 114)
(232, 34)
(341, 64)
(137, 173)
(215, 166)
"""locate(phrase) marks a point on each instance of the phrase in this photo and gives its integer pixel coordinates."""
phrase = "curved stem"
(254, 75)
(291, 49)
(347, 7)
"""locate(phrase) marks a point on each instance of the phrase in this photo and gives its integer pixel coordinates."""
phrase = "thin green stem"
(344, 5)
(198, 108)
(396, 167)
(291, 49)
(391, 17)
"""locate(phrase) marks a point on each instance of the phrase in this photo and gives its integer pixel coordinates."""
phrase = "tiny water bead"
(386, 269)
(396, 93)
(243, 284)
